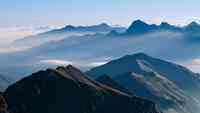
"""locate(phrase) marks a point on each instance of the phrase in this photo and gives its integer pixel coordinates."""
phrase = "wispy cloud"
(7, 35)
(56, 62)
(60, 62)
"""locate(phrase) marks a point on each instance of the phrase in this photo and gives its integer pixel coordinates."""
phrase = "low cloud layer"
(59, 62)
(7, 35)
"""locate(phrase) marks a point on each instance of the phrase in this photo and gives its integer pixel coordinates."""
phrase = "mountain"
(89, 49)
(67, 31)
(94, 28)
(68, 90)
(156, 79)
(193, 27)
(139, 27)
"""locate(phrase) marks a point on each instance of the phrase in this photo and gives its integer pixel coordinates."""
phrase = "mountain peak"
(193, 27)
(165, 24)
(139, 26)
(139, 22)
(69, 27)
(193, 24)
(103, 25)
(138, 56)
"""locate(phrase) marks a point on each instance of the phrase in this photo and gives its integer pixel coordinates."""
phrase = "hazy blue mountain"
(67, 31)
(68, 90)
(84, 51)
(192, 27)
(139, 27)
(170, 85)
(101, 28)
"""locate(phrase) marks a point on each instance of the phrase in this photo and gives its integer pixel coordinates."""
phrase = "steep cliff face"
(67, 90)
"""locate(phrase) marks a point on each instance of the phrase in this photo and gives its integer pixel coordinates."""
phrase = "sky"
(20, 13)
(19, 18)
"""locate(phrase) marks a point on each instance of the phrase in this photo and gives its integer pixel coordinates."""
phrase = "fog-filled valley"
(66, 46)
(157, 65)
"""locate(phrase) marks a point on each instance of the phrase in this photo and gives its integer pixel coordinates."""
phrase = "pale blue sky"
(86, 12)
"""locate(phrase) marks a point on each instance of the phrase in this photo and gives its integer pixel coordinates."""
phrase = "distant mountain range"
(96, 48)
(101, 28)
(68, 90)
(140, 27)
(65, 32)
(155, 79)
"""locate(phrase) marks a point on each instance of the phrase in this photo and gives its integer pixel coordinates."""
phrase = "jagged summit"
(193, 28)
(193, 23)
(139, 26)
(139, 23)
(167, 26)
(69, 27)
(99, 28)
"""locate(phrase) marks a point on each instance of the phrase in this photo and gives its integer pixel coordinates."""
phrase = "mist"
(88, 51)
